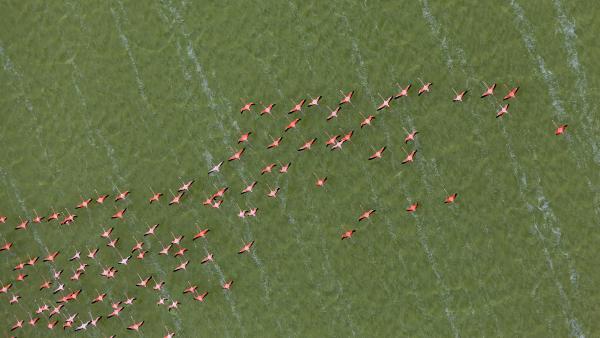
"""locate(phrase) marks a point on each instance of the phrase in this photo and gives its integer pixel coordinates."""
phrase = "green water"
(141, 96)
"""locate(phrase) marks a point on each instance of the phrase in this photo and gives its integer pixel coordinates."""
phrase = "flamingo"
(450, 198)
(332, 140)
(403, 91)
(377, 154)
(216, 168)
(38, 219)
(297, 107)
(413, 207)
(385, 103)
(347, 97)
(561, 129)
(244, 137)
(348, 234)
(53, 216)
(106, 233)
(246, 107)
(273, 192)
(307, 145)
(409, 157)
(489, 90)
(365, 215)
(101, 198)
(459, 97)
(503, 110)
(367, 121)
(314, 101)
(208, 258)
(119, 214)
(292, 124)
(181, 266)
(51, 257)
(410, 136)
(68, 219)
(511, 94)
(267, 109)
(201, 297)
(249, 188)
(23, 225)
(246, 247)
(237, 155)
(176, 199)
(186, 186)
(144, 282)
(151, 229)
(268, 168)
(228, 285)
(200, 234)
(275, 143)
(122, 195)
(333, 113)
(3, 219)
(321, 182)
(84, 204)
(6, 246)
(425, 88)
(284, 168)
(135, 326)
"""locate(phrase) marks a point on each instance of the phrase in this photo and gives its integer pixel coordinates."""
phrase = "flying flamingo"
(321, 182)
(367, 121)
(314, 101)
(348, 234)
(385, 103)
(331, 140)
(403, 91)
(237, 155)
(122, 195)
(292, 124)
(84, 204)
(135, 326)
(284, 168)
(201, 297)
(119, 214)
(511, 94)
(297, 107)
(249, 188)
(425, 88)
(410, 157)
(347, 97)
(3, 219)
(181, 266)
(216, 168)
(6, 246)
(268, 168)
(275, 143)
(267, 109)
(246, 247)
(307, 145)
(451, 198)
(37, 219)
(246, 107)
(186, 186)
(413, 207)
(22, 225)
(366, 215)
(459, 96)
(176, 199)
(228, 285)
(151, 229)
(489, 90)
(410, 136)
(101, 198)
(244, 137)
(503, 110)
(333, 113)
(53, 216)
(208, 258)
(377, 154)
(561, 129)
(273, 192)
(200, 234)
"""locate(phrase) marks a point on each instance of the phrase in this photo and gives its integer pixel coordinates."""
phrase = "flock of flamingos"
(56, 284)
